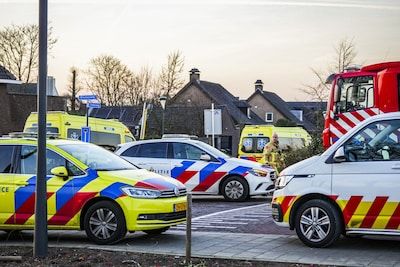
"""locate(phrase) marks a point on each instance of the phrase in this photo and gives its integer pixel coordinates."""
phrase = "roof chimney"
(194, 74)
(259, 85)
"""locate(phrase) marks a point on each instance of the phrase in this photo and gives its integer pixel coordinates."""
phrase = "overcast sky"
(232, 42)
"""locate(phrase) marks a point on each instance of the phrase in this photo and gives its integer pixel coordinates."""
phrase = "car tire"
(318, 223)
(235, 188)
(104, 223)
(156, 231)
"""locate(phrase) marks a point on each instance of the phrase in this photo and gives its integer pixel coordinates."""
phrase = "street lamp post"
(163, 101)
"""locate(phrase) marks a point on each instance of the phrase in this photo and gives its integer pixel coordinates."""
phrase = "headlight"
(141, 192)
(282, 181)
(257, 172)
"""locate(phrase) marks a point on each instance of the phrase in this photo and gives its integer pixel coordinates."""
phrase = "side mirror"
(205, 157)
(339, 155)
(60, 171)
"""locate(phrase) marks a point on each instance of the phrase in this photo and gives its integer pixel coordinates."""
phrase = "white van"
(353, 188)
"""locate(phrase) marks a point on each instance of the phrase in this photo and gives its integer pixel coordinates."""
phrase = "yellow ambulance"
(107, 133)
(254, 138)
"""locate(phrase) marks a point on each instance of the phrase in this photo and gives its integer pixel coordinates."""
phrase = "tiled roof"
(223, 97)
(5, 74)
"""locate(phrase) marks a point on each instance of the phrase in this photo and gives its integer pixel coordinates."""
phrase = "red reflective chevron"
(286, 202)
(351, 207)
(394, 221)
(71, 208)
(373, 212)
(209, 181)
(185, 176)
(25, 211)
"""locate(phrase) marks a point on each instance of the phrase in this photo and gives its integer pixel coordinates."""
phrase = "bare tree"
(319, 91)
(140, 87)
(345, 53)
(19, 48)
(170, 80)
(108, 78)
(75, 86)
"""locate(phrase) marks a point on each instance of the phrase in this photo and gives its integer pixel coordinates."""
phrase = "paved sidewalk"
(279, 248)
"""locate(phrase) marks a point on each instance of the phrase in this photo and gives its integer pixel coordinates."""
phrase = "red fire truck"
(359, 94)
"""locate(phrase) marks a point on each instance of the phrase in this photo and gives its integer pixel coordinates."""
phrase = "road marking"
(226, 211)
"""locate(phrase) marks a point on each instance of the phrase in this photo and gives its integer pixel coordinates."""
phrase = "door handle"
(396, 166)
(178, 165)
(21, 183)
(142, 163)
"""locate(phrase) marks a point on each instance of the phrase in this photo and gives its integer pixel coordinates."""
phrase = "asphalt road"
(214, 214)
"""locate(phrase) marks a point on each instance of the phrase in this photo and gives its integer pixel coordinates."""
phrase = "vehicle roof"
(183, 140)
(381, 66)
(30, 140)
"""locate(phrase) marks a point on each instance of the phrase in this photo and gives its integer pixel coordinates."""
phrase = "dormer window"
(269, 116)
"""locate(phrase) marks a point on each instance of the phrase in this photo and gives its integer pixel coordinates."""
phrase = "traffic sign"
(94, 105)
(85, 134)
(87, 97)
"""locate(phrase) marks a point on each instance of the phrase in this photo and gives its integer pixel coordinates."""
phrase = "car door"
(7, 185)
(153, 157)
(367, 182)
(25, 179)
(188, 167)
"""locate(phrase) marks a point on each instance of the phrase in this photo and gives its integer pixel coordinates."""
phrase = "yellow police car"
(88, 188)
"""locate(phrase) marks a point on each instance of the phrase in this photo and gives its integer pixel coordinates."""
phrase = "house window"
(298, 114)
(269, 117)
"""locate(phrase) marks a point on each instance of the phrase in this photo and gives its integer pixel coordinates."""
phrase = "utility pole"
(73, 97)
(40, 236)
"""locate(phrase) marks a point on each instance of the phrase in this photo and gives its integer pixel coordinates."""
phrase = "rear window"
(99, 138)
(48, 130)
(291, 143)
(254, 144)
(152, 150)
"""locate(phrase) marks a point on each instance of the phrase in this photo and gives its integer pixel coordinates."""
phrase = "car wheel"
(235, 189)
(156, 231)
(105, 223)
(318, 223)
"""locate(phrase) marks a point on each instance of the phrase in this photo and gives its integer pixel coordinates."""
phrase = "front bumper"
(149, 214)
(259, 185)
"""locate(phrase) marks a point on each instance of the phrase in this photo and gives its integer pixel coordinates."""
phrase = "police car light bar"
(179, 136)
(31, 135)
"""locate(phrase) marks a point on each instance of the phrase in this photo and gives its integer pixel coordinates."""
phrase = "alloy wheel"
(315, 224)
(234, 189)
(103, 223)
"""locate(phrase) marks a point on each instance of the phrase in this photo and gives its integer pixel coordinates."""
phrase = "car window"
(28, 162)
(152, 150)
(128, 139)
(379, 141)
(186, 151)
(6, 156)
(130, 152)
(254, 144)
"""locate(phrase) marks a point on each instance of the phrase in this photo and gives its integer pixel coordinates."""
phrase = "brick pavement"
(262, 247)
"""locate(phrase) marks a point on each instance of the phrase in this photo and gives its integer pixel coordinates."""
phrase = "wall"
(15, 108)
(264, 106)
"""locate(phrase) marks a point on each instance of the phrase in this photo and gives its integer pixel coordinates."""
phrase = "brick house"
(18, 100)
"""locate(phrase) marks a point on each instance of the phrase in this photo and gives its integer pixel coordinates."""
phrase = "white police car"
(202, 168)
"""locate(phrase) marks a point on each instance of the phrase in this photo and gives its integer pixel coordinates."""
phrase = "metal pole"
(73, 98)
(87, 114)
(40, 236)
(212, 125)
(189, 229)
(162, 126)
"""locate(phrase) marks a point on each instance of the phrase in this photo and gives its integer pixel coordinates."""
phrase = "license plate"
(179, 207)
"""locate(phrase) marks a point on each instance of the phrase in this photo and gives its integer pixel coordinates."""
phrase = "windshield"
(215, 152)
(97, 158)
(355, 93)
